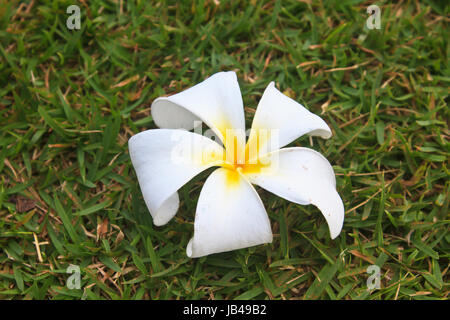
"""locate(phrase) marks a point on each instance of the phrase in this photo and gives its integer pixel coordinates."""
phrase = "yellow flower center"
(242, 160)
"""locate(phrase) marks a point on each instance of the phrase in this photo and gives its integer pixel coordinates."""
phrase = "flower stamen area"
(242, 160)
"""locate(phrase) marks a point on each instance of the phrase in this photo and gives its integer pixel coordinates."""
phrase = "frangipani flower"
(230, 215)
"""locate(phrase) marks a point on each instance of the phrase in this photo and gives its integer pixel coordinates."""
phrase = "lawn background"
(71, 99)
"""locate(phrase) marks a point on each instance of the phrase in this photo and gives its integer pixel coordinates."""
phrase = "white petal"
(303, 176)
(285, 119)
(164, 160)
(216, 101)
(230, 216)
(167, 210)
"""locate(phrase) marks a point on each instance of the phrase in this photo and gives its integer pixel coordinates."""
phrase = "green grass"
(70, 100)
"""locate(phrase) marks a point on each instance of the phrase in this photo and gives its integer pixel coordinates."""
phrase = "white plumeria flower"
(230, 215)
